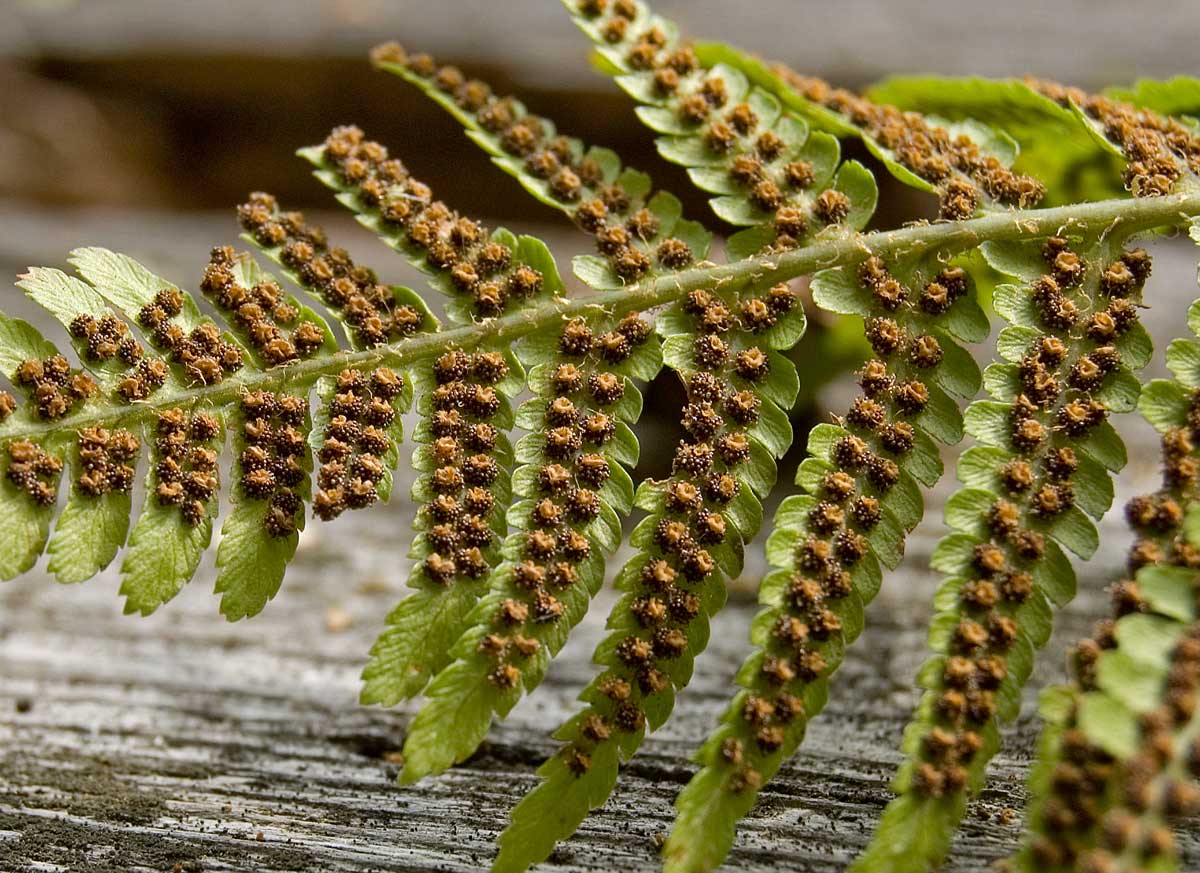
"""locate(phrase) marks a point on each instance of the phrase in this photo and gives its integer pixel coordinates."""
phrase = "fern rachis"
(520, 509)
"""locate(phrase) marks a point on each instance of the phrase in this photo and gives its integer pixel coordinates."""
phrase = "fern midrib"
(1133, 215)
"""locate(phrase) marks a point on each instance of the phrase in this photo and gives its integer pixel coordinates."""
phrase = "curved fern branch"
(132, 286)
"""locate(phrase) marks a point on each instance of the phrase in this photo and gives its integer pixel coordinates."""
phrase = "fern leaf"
(462, 522)
(174, 527)
(271, 486)
(1179, 96)
(1070, 132)
(94, 524)
(1055, 146)
(464, 456)
(1100, 722)
(725, 349)
(965, 164)
(768, 172)
(573, 488)
(638, 234)
(483, 274)
(827, 546)
(373, 313)
(1129, 736)
(31, 471)
(1070, 349)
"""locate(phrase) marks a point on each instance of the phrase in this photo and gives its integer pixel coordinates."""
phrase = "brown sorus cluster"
(961, 171)
(272, 464)
(1056, 407)
(8, 405)
(775, 179)
(668, 591)
(478, 267)
(578, 423)
(1158, 151)
(262, 314)
(34, 471)
(356, 441)
(458, 516)
(106, 461)
(204, 354)
(107, 338)
(626, 233)
(185, 471)
(1079, 830)
(352, 291)
(54, 386)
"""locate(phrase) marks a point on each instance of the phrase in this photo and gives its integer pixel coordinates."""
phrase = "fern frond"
(638, 234)
(574, 489)
(1048, 450)
(463, 457)
(862, 480)
(1074, 130)
(1176, 97)
(726, 350)
(767, 170)
(1055, 146)
(966, 164)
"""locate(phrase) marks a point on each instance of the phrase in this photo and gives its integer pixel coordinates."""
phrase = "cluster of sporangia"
(106, 460)
(204, 354)
(186, 446)
(1158, 151)
(464, 441)
(576, 428)
(356, 441)
(53, 385)
(1058, 375)
(261, 314)
(272, 464)
(757, 159)
(107, 338)
(628, 237)
(352, 292)
(454, 244)
(34, 471)
(664, 598)
(962, 173)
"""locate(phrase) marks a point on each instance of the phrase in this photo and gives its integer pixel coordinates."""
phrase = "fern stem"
(1101, 216)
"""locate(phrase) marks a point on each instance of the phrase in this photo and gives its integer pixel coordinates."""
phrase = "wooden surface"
(182, 742)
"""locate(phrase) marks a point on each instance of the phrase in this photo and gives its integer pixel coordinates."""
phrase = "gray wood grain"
(182, 742)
